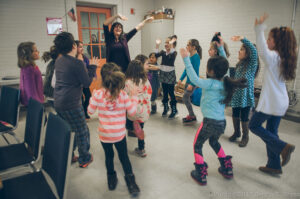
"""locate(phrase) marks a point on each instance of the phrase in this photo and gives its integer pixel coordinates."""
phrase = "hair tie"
(282, 28)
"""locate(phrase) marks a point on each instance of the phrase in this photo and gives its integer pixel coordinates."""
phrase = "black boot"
(226, 167)
(237, 131)
(112, 181)
(131, 184)
(174, 111)
(166, 109)
(245, 137)
(153, 109)
(200, 173)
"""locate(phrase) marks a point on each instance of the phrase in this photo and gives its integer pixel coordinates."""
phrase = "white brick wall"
(194, 19)
(201, 18)
(18, 16)
(25, 21)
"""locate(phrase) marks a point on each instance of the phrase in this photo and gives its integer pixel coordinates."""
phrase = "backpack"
(196, 96)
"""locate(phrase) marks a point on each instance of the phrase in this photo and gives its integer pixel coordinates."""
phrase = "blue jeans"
(269, 135)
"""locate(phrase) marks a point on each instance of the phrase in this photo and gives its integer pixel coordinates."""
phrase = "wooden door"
(91, 33)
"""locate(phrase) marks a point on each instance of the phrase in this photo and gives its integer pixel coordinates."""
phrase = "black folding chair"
(56, 161)
(26, 153)
(9, 111)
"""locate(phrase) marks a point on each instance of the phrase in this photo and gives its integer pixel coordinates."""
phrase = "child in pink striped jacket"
(112, 104)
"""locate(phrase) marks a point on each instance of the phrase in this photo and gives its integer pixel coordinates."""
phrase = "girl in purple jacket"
(31, 83)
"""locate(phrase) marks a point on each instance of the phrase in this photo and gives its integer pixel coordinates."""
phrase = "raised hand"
(122, 17)
(94, 61)
(184, 53)
(172, 41)
(149, 19)
(261, 19)
(221, 43)
(158, 41)
(237, 38)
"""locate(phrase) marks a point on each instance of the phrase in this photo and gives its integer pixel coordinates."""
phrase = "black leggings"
(211, 130)
(168, 89)
(86, 101)
(242, 113)
(123, 156)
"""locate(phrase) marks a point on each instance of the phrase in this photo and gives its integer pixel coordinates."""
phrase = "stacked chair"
(9, 111)
(16, 156)
(50, 180)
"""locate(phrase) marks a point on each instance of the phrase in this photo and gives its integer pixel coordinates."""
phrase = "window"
(90, 29)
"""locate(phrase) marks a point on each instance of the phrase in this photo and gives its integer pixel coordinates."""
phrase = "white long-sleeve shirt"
(273, 98)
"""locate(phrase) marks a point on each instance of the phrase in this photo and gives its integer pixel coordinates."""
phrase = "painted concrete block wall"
(200, 19)
(26, 21)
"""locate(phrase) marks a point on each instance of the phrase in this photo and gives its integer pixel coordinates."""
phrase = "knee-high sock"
(198, 158)
(221, 153)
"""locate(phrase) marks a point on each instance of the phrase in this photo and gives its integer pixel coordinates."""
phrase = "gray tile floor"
(165, 172)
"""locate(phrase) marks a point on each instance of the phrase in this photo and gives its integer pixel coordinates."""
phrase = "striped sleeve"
(94, 102)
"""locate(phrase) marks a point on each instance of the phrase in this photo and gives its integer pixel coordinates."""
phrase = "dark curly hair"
(64, 42)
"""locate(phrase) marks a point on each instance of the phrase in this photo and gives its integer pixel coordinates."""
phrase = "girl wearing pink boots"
(217, 91)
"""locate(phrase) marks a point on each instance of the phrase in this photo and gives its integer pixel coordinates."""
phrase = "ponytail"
(230, 85)
(112, 79)
(286, 46)
(195, 42)
(52, 54)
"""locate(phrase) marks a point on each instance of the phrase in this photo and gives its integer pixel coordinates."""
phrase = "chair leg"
(33, 167)
(14, 135)
(5, 139)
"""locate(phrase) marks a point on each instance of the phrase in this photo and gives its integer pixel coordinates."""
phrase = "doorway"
(91, 33)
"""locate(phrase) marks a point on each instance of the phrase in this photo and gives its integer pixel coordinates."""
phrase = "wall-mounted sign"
(54, 25)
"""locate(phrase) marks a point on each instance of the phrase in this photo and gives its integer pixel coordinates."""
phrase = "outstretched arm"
(113, 18)
(252, 48)
(262, 47)
(141, 25)
(221, 49)
(191, 72)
